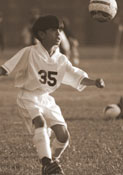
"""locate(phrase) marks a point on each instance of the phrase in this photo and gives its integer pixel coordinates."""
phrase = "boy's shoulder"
(27, 48)
(61, 57)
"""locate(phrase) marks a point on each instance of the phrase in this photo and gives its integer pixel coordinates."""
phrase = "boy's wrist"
(2, 71)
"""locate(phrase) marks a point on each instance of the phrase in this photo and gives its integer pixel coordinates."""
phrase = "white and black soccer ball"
(103, 10)
(112, 111)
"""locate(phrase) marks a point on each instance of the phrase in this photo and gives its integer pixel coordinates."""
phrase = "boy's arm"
(2, 71)
(89, 82)
(15, 63)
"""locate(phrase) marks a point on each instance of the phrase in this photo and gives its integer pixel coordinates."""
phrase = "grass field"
(96, 146)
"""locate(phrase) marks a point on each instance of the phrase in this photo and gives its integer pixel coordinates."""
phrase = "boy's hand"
(99, 83)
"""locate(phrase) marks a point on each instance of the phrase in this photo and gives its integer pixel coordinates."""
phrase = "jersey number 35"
(48, 77)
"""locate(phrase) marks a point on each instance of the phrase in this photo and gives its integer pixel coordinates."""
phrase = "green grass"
(96, 146)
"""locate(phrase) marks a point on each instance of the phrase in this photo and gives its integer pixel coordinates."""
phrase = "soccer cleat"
(52, 168)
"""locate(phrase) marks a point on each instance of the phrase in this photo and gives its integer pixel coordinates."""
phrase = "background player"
(69, 44)
(120, 104)
(27, 35)
(40, 69)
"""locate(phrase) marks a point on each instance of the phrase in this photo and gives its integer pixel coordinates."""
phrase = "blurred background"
(17, 13)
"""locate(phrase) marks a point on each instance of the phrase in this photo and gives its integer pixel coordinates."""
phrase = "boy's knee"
(63, 138)
(61, 133)
(38, 122)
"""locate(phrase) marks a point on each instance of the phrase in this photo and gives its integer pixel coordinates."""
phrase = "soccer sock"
(42, 143)
(58, 148)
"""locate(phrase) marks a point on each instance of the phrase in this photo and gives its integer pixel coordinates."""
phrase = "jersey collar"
(45, 55)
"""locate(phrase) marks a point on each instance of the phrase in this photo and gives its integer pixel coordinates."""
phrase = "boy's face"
(51, 37)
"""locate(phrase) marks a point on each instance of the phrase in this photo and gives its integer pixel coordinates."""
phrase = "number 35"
(48, 77)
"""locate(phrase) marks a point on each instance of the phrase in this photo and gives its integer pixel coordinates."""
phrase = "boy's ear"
(41, 34)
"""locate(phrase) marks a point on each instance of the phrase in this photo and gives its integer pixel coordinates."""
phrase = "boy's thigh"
(51, 113)
(26, 118)
(54, 116)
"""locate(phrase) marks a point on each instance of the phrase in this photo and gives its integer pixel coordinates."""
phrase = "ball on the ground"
(103, 10)
(112, 111)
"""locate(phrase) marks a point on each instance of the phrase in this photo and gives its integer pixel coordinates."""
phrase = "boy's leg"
(61, 140)
(38, 128)
(41, 139)
(42, 143)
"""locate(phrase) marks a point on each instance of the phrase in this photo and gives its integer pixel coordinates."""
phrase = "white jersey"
(36, 70)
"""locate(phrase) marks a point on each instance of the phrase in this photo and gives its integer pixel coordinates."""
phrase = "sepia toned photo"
(61, 87)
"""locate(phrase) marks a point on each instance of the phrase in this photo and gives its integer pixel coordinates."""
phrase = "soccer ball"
(103, 10)
(112, 111)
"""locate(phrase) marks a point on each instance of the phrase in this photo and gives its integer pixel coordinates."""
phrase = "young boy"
(40, 69)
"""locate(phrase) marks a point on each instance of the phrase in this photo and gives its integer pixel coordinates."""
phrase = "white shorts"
(32, 104)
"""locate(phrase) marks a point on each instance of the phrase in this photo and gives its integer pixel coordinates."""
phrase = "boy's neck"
(50, 49)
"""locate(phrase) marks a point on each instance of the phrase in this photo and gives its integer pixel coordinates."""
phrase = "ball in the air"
(103, 10)
(112, 111)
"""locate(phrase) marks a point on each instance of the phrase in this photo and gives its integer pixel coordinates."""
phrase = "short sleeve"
(73, 76)
(17, 62)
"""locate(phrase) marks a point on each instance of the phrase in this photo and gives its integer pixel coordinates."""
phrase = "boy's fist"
(100, 83)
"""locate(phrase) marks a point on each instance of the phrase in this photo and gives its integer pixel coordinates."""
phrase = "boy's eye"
(54, 29)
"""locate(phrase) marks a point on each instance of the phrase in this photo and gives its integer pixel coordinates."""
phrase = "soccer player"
(40, 69)
(69, 45)
(27, 35)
